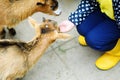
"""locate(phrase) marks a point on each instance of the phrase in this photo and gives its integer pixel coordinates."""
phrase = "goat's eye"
(49, 20)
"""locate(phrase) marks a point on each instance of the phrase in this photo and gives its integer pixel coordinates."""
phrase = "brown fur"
(17, 57)
(14, 11)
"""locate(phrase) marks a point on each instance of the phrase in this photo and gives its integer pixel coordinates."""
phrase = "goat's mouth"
(53, 8)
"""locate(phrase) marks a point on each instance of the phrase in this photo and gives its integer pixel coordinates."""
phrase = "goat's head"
(48, 6)
(49, 29)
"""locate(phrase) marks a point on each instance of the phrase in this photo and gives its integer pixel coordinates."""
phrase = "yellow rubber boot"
(110, 58)
(81, 40)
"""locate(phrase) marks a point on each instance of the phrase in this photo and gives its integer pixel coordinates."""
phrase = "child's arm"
(84, 9)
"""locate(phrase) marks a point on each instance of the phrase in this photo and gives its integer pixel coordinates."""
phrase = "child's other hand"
(66, 26)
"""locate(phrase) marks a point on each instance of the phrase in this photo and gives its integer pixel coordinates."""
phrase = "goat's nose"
(58, 12)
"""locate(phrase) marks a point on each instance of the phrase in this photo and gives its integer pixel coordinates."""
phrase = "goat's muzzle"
(57, 12)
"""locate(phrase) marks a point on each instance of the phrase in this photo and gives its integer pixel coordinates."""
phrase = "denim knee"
(95, 43)
(80, 30)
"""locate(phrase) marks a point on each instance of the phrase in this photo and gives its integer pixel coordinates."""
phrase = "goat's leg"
(5, 42)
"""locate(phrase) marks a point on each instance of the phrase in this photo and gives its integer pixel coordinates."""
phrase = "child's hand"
(66, 26)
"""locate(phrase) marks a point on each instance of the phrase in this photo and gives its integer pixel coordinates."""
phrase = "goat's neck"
(20, 10)
(38, 49)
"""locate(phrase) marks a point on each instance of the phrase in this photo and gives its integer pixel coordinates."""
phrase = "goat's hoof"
(12, 31)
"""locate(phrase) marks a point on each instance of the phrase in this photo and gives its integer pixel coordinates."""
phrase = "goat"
(13, 12)
(18, 57)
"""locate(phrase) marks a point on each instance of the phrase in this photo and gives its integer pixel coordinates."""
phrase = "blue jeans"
(100, 32)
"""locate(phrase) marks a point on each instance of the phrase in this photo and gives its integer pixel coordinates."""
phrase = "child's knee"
(94, 42)
(82, 30)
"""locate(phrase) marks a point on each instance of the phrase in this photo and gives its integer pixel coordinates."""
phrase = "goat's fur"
(14, 11)
(17, 57)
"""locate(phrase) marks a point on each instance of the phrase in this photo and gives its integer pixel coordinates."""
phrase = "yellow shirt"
(107, 7)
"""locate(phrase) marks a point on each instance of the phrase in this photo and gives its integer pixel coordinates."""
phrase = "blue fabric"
(101, 33)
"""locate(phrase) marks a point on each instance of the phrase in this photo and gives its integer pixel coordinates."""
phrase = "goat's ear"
(35, 25)
(32, 22)
(63, 36)
(43, 19)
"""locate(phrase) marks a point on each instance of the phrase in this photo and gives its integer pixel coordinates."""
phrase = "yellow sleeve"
(107, 7)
